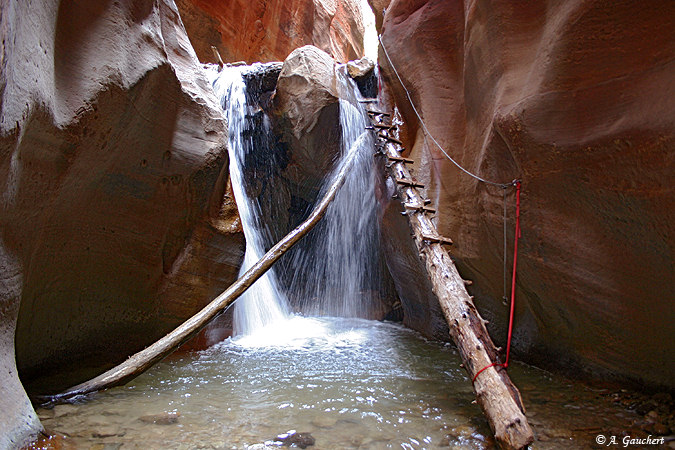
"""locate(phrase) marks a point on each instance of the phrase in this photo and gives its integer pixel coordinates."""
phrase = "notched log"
(503, 406)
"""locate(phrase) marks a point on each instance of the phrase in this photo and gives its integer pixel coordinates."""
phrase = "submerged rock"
(165, 418)
(107, 446)
(324, 421)
(107, 431)
(295, 439)
(64, 410)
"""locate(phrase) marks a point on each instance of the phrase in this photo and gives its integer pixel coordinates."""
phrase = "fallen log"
(495, 393)
(143, 360)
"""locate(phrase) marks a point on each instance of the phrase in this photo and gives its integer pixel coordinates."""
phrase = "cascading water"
(262, 304)
(336, 269)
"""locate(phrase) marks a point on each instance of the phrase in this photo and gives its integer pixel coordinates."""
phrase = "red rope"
(505, 364)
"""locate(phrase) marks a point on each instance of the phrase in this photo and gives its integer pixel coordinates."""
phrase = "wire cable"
(427, 132)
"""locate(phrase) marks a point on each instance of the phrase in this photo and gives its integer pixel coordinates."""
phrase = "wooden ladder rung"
(436, 239)
(420, 208)
(411, 183)
(391, 139)
(384, 126)
(378, 113)
(401, 159)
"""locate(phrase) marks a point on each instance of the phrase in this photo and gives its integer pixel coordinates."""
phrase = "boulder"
(263, 31)
(575, 99)
(308, 82)
(364, 74)
(360, 68)
(307, 118)
(117, 222)
(307, 129)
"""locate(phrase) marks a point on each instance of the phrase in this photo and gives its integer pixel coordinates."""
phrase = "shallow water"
(351, 383)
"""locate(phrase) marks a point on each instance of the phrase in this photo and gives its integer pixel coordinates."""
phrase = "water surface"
(351, 383)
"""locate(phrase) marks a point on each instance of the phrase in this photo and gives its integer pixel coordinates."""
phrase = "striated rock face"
(116, 218)
(575, 98)
(269, 30)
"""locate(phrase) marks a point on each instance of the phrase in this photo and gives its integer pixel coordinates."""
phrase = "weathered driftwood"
(143, 360)
(216, 54)
(497, 396)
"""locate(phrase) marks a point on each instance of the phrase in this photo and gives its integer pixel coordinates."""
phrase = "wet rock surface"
(306, 123)
(295, 439)
(657, 411)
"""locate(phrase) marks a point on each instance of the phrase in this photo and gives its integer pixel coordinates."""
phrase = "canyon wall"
(263, 31)
(576, 99)
(116, 218)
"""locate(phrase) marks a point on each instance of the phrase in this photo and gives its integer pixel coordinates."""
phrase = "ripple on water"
(351, 383)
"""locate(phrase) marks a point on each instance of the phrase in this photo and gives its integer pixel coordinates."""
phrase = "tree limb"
(143, 360)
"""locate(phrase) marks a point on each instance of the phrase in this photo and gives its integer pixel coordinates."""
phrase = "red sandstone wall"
(115, 219)
(577, 99)
(270, 30)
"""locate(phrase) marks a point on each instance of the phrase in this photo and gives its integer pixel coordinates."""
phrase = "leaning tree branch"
(143, 360)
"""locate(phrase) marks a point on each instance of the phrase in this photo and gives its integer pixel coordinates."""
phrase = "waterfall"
(263, 303)
(334, 271)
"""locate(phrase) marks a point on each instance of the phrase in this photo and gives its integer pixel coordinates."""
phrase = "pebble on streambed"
(165, 418)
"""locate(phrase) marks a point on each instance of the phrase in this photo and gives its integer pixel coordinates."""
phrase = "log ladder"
(495, 393)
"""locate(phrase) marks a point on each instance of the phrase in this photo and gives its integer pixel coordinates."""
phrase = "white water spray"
(334, 270)
(262, 304)
(340, 258)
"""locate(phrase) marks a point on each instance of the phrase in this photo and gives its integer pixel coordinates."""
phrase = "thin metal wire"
(427, 132)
